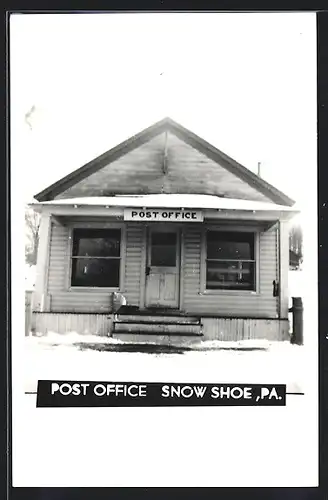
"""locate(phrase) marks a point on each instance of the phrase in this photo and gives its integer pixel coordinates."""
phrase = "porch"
(203, 268)
(170, 329)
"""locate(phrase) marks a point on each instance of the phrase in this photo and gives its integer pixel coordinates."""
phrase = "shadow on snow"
(156, 349)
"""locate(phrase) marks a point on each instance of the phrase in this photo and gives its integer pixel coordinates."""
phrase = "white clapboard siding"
(63, 299)
(133, 261)
(233, 304)
(259, 305)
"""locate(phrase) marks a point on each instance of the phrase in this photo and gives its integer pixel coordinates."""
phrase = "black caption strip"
(61, 394)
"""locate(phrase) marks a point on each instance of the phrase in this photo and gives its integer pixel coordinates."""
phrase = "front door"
(163, 268)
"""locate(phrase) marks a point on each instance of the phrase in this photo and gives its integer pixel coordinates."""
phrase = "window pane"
(229, 245)
(230, 275)
(96, 272)
(97, 242)
(163, 249)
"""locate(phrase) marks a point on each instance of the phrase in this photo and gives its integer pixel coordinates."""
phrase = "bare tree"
(32, 218)
(29, 117)
(296, 240)
(32, 225)
(295, 246)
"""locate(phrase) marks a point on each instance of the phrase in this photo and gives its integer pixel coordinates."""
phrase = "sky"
(244, 82)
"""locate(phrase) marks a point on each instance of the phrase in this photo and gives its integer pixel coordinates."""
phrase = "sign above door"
(163, 215)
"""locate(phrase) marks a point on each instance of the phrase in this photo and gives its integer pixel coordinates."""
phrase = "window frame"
(208, 291)
(98, 289)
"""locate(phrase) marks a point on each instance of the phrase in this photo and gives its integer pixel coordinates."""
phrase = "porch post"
(41, 299)
(283, 269)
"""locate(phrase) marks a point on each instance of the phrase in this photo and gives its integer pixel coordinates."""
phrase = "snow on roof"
(199, 201)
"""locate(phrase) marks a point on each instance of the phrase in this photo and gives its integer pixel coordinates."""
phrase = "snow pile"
(241, 344)
(71, 338)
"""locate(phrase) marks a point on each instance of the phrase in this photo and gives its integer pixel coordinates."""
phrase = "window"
(230, 261)
(96, 257)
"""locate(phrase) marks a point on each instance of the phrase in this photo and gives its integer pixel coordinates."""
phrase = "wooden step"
(166, 340)
(157, 328)
(176, 320)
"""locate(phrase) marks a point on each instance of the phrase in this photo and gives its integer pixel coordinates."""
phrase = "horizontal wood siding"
(233, 304)
(133, 261)
(284, 268)
(230, 303)
(90, 300)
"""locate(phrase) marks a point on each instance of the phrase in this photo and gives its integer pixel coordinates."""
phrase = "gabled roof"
(167, 124)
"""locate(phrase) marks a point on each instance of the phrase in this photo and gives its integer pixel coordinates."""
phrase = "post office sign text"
(163, 215)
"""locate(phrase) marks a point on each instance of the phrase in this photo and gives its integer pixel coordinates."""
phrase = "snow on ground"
(240, 439)
(90, 357)
(93, 358)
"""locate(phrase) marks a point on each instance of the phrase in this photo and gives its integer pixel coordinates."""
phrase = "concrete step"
(157, 328)
(144, 319)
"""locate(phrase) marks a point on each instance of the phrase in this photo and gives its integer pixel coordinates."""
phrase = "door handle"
(275, 288)
(147, 271)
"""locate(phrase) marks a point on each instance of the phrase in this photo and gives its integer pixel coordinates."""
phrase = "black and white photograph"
(164, 230)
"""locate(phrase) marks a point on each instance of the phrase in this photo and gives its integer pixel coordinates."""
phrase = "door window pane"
(163, 249)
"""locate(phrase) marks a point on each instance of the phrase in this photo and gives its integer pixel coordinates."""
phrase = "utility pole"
(259, 169)
(165, 155)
